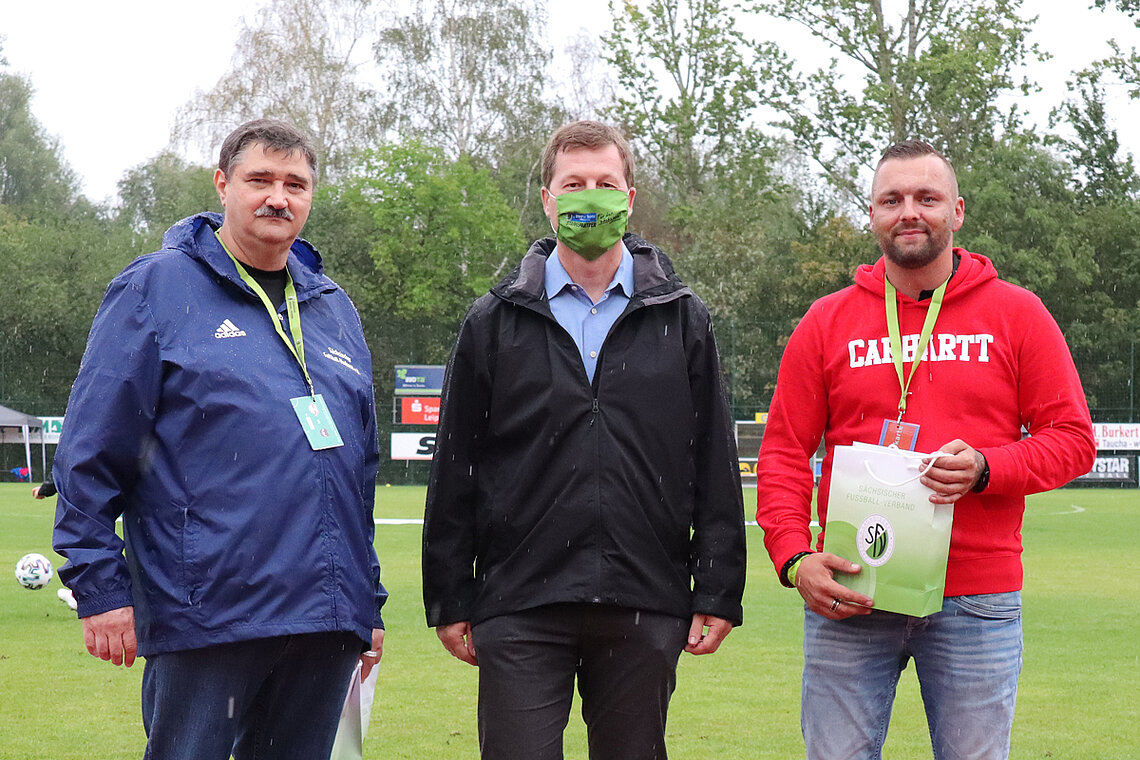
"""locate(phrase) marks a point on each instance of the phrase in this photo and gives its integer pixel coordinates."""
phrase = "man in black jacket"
(584, 514)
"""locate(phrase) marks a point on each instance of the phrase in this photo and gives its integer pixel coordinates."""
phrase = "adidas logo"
(228, 329)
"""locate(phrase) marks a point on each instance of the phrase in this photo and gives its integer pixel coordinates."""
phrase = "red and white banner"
(1117, 436)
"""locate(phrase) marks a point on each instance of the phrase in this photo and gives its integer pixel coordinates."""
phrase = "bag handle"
(922, 470)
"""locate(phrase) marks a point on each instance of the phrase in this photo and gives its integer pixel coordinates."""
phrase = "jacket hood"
(654, 280)
(195, 237)
(973, 270)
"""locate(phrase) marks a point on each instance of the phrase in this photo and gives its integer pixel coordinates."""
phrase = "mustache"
(277, 213)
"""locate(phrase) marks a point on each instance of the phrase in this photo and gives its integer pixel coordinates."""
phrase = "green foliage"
(54, 272)
(463, 74)
(156, 194)
(1131, 7)
(935, 73)
(299, 61)
(33, 174)
(441, 235)
(1103, 175)
(689, 83)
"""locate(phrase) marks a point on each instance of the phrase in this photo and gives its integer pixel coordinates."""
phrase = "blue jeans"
(277, 698)
(968, 658)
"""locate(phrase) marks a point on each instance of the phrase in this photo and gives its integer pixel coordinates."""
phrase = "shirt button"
(593, 354)
(593, 311)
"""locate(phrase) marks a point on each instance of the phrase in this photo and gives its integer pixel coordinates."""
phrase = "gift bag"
(349, 742)
(879, 516)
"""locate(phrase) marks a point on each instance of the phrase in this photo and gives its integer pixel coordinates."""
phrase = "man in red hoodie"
(991, 362)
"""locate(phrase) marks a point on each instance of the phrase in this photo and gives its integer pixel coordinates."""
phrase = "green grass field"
(1077, 697)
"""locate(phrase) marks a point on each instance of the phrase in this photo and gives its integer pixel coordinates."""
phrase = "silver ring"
(835, 604)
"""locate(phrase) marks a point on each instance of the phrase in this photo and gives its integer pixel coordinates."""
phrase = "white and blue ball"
(33, 571)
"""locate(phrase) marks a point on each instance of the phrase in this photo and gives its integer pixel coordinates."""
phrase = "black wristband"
(788, 566)
(984, 478)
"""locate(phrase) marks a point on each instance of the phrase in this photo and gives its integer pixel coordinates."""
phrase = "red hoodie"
(996, 363)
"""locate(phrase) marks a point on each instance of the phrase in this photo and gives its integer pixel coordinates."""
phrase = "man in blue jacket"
(224, 410)
(584, 515)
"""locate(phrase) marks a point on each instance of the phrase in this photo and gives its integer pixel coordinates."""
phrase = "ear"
(959, 214)
(220, 185)
(550, 208)
(632, 192)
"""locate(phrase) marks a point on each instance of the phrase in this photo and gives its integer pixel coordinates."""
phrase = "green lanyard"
(296, 345)
(896, 335)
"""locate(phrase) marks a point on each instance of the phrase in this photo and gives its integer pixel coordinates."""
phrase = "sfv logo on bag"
(876, 540)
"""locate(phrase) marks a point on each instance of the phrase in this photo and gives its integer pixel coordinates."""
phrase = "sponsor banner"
(413, 446)
(747, 469)
(417, 410)
(419, 379)
(1111, 470)
(53, 426)
(1117, 436)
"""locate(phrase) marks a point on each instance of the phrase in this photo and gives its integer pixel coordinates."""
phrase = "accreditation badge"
(901, 435)
(316, 421)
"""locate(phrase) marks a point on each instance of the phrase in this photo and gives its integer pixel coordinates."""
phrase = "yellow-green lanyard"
(896, 335)
(296, 345)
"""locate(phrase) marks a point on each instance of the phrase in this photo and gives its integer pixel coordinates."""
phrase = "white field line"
(419, 521)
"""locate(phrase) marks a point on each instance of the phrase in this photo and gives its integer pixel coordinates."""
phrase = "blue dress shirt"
(587, 322)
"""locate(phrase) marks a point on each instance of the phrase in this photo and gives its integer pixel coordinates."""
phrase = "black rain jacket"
(547, 488)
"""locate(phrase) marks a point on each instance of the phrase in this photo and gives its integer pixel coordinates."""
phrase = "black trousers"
(625, 662)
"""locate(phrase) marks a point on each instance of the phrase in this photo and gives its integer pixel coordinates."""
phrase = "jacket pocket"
(188, 541)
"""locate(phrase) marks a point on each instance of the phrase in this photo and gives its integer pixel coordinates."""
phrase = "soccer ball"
(33, 571)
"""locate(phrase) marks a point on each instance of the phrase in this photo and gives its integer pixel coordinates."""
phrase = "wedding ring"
(835, 604)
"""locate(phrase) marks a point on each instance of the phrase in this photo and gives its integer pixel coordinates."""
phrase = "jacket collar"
(654, 280)
(195, 237)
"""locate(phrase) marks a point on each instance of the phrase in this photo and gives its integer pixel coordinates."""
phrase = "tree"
(33, 173)
(935, 73)
(1105, 176)
(440, 233)
(464, 74)
(300, 61)
(689, 84)
(55, 269)
(156, 194)
(1131, 7)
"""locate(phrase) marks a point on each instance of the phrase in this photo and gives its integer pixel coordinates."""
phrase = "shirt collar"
(557, 277)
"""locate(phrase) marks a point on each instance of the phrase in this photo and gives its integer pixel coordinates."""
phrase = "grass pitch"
(1077, 695)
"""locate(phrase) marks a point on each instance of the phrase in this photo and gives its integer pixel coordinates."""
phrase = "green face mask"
(590, 222)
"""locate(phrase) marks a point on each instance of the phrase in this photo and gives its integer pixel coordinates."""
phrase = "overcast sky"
(110, 75)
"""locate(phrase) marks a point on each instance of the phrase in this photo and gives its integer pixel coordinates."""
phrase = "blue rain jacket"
(180, 421)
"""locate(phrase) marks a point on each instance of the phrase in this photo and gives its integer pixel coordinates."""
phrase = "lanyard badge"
(904, 435)
(311, 410)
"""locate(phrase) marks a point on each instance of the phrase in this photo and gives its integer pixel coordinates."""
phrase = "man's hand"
(369, 659)
(456, 638)
(111, 636)
(953, 476)
(36, 493)
(706, 642)
(823, 594)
